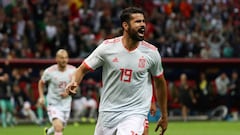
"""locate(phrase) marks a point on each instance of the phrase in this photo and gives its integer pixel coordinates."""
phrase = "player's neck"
(61, 68)
(129, 44)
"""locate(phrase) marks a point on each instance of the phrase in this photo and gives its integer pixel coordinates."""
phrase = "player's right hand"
(71, 88)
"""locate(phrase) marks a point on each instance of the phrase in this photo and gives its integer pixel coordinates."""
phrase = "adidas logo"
(115, 59)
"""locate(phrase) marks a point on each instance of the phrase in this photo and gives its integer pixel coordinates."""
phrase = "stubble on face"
(136, 27)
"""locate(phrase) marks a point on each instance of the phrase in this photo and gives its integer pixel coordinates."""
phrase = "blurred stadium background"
(194, 37)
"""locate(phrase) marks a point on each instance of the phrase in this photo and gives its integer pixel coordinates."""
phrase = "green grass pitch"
(174, 128)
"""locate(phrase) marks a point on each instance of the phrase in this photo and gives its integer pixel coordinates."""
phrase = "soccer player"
(58, 101)
(128, 63)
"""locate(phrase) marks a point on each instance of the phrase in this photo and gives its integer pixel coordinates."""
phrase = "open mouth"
(141, 31)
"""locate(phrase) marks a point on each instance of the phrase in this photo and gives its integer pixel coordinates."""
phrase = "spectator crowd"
(179, 28)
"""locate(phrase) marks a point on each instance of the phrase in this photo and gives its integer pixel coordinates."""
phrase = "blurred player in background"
(6, 106)
(59, 102)
(128, 63)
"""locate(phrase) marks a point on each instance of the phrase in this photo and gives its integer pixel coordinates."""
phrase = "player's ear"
(125, 25)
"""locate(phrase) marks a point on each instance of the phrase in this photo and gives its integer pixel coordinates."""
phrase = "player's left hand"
(163, 123)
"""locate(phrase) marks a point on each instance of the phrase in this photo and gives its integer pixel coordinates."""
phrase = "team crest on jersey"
(142, 62)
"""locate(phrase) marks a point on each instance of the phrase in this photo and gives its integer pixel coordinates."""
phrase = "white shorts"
(133, 125)
(54, 112)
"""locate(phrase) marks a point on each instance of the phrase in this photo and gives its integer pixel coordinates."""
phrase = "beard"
(62, 65)
(134, 34)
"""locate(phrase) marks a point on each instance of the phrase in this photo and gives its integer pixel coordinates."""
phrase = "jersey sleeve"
(45, 76)
(156, 68)
(95, 59)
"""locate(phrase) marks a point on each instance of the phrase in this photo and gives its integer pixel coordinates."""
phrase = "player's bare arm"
(76, 79)
(161, 93)
(40, 90)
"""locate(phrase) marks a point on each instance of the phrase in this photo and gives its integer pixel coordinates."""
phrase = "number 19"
(126, 75)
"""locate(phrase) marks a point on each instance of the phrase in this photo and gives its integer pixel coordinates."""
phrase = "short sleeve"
(46, 76)
(95, 59)
(156, 68)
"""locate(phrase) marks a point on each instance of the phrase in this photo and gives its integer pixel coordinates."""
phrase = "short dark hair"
(126, 13)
